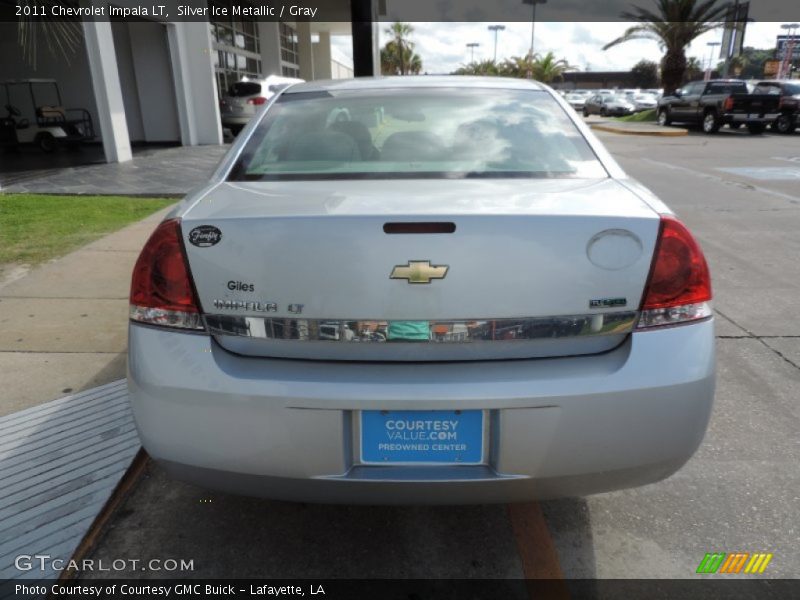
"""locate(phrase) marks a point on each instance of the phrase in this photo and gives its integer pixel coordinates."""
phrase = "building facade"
(148, 80)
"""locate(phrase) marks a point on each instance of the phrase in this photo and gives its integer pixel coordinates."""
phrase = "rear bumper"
(751, 118)
(285, 429)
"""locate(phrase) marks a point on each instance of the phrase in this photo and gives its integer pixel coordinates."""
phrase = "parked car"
(789, 104)
(717, 102)
(608, 105)
(582, 354)
(576, 101)
(244, 98)
(642, 102)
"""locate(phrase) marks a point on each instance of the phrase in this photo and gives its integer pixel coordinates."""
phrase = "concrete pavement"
(63, 327)
(154, 171)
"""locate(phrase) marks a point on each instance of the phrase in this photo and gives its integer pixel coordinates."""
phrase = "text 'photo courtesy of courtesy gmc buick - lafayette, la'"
(420, 290)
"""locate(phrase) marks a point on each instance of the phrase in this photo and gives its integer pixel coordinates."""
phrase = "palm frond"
(62, 37)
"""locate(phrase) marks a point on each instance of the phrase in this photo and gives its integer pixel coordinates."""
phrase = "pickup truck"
(719, 102)
(789, 103)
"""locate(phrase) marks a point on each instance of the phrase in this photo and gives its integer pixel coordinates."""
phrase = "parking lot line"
(535, 545)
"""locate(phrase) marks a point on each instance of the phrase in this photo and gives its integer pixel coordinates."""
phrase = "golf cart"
(53, 124)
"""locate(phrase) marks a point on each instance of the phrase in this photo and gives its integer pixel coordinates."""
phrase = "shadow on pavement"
(236, 537)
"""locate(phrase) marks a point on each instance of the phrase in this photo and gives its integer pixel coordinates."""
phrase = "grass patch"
(35, 228)
(640, 117)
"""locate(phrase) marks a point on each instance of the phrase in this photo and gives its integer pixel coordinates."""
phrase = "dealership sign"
(781, 46)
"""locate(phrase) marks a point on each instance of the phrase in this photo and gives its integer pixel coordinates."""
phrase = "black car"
(718, 102)
(789, 104)
(607, 105)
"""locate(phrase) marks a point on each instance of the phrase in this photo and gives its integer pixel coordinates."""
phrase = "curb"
(627, 131)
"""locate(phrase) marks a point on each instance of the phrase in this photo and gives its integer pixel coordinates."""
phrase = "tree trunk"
(673, 66)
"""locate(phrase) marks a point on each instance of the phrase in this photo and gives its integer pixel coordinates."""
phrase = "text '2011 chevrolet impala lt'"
(420, 290)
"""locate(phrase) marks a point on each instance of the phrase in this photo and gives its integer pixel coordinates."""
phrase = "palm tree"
(548, 68)
(694, 69)
(674, 25)
(518, 66)
(402, 46)
(393, 62)
(414, 64)
(61, 37)
(483, 67)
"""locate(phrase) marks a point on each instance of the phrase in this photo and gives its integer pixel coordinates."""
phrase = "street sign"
(781, 44)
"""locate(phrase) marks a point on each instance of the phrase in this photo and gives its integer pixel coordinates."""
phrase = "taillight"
(679, 286)
(727, 106)
(162, 292)
(258, 100)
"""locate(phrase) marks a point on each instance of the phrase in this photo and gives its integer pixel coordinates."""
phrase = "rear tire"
(784, 124)
(46, 142)
(711, 122)
(585, 113)
(603, 112)
(756, 128)
(663, 117)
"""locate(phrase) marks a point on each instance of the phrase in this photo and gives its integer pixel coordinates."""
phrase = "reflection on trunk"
(416, 331)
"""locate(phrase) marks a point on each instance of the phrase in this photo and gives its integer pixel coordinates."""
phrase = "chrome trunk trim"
(458, 331)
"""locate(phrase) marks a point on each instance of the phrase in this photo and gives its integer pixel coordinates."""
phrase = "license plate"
(422, 436)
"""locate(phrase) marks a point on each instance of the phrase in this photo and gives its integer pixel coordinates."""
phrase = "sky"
(443, 49)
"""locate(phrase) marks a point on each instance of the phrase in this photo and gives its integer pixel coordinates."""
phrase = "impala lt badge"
(419, 271)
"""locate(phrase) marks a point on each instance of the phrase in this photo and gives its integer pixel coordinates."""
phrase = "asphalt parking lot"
(741, 491)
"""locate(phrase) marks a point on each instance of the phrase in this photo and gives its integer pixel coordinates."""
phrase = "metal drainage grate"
(59, 463)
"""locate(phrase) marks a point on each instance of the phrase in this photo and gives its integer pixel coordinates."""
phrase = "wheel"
(585, 113)
(603, 112)
(735, 125)
(710, 122)
(756, 128)
(664, 118)
(784, 123)
(46, 142)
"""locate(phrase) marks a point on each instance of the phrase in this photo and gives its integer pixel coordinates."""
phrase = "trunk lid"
(533, 268)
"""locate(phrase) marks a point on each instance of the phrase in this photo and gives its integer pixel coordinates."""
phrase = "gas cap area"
(614, 249)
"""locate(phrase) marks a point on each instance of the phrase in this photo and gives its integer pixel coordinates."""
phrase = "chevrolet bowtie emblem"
(419, 271)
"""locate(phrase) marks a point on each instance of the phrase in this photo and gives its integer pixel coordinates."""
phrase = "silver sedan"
(420, 290)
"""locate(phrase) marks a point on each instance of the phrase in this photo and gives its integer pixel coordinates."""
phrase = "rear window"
(792, 89)
(277, 87)
(727, 88)
(453, 132)
(244, 88)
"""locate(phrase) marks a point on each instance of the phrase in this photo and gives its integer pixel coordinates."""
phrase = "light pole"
(533, 17)
(472, 46)
(496, 28)
(711, 45)
(788, 50)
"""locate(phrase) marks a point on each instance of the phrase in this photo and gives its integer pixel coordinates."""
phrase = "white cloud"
(443, 49)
